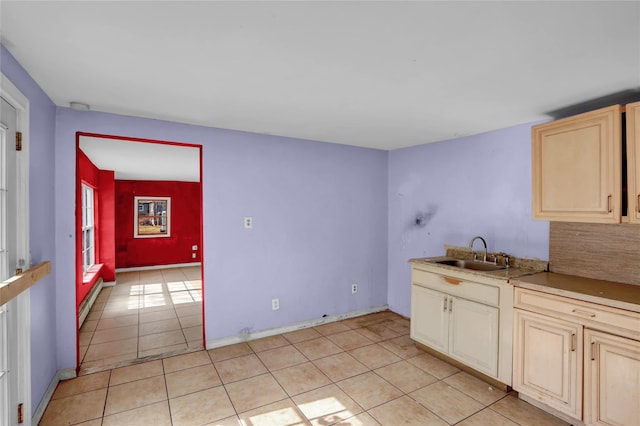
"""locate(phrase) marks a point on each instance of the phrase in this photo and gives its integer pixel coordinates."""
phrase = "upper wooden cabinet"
(633, 161)
(577, 168)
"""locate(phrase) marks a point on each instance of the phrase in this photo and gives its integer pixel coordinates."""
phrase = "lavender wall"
(320, 219)
(476, 185)
(41, 224)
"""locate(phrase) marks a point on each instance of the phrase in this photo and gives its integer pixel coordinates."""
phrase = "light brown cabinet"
(579, 358)
(633, 161)
(611, 379)
(577, 168)
(547, 361)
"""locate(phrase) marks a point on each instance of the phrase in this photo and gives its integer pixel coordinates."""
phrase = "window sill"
(93, 274)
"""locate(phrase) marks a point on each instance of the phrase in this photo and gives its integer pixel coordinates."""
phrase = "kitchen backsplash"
(600, 251)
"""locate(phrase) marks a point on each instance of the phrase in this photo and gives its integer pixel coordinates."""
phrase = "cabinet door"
(577, 168)
(633, 161)
(612, 380)
(429, 317)
(547, 357)
(473, 335)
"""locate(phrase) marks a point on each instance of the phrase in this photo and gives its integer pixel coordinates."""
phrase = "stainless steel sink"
(470, 264)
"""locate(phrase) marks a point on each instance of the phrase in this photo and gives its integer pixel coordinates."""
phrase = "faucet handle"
(506, 257)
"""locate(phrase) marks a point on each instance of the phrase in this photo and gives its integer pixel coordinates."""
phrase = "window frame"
(88, 245)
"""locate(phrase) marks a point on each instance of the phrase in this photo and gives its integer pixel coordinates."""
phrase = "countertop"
(531, 276)
(617, 295)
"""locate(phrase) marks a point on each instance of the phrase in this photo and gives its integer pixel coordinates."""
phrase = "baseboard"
(87, 303)
(109, 284)
(212, 344)
(68, 373)
(149, 268)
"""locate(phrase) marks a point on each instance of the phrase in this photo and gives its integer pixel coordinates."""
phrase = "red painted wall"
(107, 224)
(103, 183)
(184, 226)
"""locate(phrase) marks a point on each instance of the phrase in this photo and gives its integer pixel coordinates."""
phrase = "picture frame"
(152, 217)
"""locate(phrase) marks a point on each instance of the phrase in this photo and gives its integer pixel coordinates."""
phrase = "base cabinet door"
(430, 317)
(547, 361)
(612, 380)
(474, 335)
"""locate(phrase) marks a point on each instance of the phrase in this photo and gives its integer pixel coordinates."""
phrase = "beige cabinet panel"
(474, 335)
(547, 361)
(467, 320)
(430, 318)
(611, 380)
(633, 161)
(576, 165)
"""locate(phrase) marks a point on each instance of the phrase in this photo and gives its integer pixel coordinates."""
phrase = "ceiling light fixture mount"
(79, 106)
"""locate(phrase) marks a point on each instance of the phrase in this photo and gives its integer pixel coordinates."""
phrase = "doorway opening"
(139, 274)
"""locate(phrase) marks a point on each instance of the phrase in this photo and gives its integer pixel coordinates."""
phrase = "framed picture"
(152, 217)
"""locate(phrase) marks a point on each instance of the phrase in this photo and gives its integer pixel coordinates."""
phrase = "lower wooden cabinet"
(466, 317)
(547, 361)
(465, 330)
(579, 358)
(611, 379)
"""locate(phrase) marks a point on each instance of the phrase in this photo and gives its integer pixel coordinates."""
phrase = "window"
(88, 228)
(152, 217)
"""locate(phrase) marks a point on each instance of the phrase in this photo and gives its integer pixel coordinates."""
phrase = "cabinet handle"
(593, 351)
(444, 305)
(609, 208)
(584, 313)
(452, 280)
(573, 342)
(450, 304)
(638, 203)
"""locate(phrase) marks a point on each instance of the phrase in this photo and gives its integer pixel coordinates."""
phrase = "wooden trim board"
(12, 287)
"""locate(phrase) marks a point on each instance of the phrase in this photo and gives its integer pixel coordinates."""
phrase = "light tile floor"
(147, 313)
(360, 371)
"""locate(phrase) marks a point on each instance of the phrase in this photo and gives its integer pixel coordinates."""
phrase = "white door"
(8, 264)
(473, 335)
(429, 318)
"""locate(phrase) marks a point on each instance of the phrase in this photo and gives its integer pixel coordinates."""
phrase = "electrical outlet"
(354, 288)
(275, 304)
(194, 247)
(248, 222)
(193, 255)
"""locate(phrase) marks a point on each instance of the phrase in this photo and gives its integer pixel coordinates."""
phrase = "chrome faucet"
(475, 255)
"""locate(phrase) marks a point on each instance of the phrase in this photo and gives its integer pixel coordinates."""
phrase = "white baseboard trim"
(148, 268)
(212, 344)
(109, 284)
(68, 373)
(89, 300)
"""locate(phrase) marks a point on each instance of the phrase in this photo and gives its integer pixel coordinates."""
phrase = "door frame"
(78, 224)
(22, 303)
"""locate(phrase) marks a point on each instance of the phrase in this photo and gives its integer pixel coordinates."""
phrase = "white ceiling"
(134, 160)
(375, 74)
